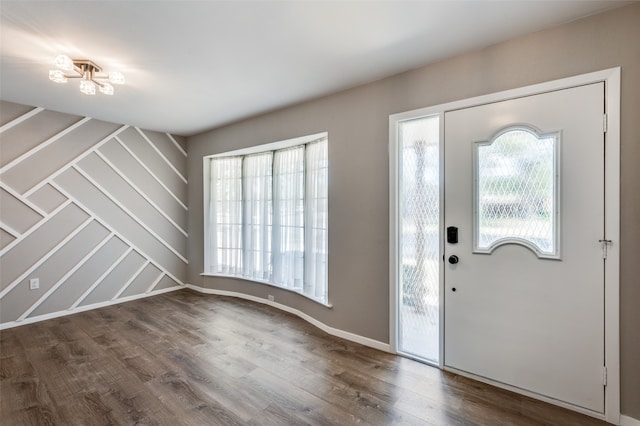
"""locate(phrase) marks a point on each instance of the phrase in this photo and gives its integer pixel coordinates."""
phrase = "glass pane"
(226, 211)
(288, 170)
(317, 220)
(258, 213)
(419, 245)
(516, 192)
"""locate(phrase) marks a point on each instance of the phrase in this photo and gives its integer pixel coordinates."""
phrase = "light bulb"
(87, 87)
(106, 88)
(57, 76)
(64, 62)
(116, 77)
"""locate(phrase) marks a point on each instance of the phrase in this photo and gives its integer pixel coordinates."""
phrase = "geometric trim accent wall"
(96, 211)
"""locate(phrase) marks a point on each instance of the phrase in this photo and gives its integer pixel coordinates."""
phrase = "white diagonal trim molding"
(129, 212)
(166, 160)
(10, 230)
(175, 142)
(34, 227)
(128, 283)
(23, 117)
(65, 277)
(23, 199)
(119, 235)
(166, 188)
(139, 191)
(44, 144)
(66, 167)
(155, 283)
(45, 257)
(101, 278)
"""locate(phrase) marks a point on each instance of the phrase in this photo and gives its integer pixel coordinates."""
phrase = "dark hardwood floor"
(189, 359)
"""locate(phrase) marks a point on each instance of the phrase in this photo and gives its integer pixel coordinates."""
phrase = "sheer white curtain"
(226, 215)
(258, 213)
(288, 220)
(316, 227)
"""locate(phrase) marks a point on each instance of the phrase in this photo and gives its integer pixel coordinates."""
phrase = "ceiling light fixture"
(88, 72)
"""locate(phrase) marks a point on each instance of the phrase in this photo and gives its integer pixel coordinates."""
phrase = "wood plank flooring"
(184, 358)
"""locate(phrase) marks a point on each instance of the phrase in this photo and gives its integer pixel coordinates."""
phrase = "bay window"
(266, 215)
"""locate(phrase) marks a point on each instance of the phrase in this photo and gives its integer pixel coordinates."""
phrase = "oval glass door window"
(516, 191)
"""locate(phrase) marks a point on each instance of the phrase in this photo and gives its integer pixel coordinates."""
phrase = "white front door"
(524, 186)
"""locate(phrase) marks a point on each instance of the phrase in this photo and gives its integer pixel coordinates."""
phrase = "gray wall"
(97, 211)
(357, 122)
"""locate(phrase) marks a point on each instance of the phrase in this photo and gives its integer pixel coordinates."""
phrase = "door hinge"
(605, 123)
(605, 245)
(604, 376)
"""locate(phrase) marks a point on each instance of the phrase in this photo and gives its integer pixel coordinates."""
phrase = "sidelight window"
(418, 144)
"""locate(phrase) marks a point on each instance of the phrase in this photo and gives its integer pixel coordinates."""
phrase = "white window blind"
(268, 217)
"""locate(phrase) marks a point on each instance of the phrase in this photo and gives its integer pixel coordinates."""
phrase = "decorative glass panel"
(516, 191)
(419, 244)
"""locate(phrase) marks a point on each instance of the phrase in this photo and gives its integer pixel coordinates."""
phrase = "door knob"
(453, 259)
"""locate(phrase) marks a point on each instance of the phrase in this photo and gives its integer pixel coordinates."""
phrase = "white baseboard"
(628, 421)
(330, 330)
(79, 309)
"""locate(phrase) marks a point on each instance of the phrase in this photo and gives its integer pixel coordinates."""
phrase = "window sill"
(255, 280)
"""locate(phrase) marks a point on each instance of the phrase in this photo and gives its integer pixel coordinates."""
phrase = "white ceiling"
(194, 65)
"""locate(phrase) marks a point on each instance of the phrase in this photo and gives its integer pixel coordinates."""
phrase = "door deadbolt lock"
(452, 235)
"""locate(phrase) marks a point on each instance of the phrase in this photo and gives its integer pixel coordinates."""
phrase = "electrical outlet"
(34, 283)
(271, 298)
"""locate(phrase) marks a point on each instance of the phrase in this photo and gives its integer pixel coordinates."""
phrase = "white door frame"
(611, 78)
